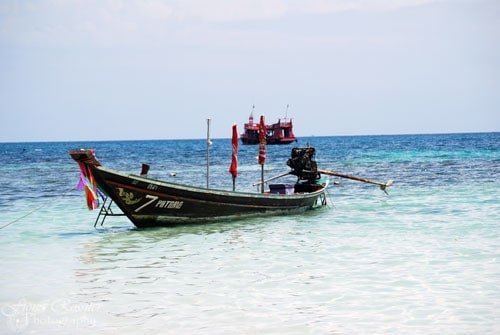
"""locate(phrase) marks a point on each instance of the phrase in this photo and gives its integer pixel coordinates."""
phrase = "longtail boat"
(149, 202)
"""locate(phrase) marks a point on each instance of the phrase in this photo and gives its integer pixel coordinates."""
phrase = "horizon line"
(224, 138)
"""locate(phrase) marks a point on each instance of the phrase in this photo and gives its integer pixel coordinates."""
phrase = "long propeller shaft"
(383, 186)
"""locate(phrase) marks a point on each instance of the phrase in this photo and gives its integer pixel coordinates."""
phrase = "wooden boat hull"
(148, 202)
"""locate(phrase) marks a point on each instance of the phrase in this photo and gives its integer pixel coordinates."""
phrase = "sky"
(157, 69)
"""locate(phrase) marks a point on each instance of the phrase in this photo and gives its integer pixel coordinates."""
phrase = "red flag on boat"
(233, 169)
(262, 140)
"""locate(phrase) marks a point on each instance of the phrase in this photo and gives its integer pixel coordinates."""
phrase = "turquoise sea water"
(423, 260)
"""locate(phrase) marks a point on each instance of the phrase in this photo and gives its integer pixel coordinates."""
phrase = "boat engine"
(303, 164)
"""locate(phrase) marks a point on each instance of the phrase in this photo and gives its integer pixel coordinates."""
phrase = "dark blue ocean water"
(44, 169)
(424, 259)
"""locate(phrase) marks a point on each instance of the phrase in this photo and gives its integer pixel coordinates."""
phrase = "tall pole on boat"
(262, 150)
(208, 150)
(262, 178)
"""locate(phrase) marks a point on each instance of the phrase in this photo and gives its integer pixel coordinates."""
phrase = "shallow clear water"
(423, 260)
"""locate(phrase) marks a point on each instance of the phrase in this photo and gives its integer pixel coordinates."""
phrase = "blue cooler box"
(281, 188)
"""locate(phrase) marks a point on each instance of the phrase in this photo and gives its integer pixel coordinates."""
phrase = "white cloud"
(134, 21)
(230, 10)
(327, 6)
(68, 22)
(227, 10)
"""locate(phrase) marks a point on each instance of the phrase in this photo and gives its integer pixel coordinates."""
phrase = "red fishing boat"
(280, 132)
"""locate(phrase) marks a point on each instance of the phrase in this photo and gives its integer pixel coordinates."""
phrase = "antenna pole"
(208, 150)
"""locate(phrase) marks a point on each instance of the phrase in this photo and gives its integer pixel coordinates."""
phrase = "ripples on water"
(422, 260)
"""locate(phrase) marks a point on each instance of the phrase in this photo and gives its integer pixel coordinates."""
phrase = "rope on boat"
(36, 209)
